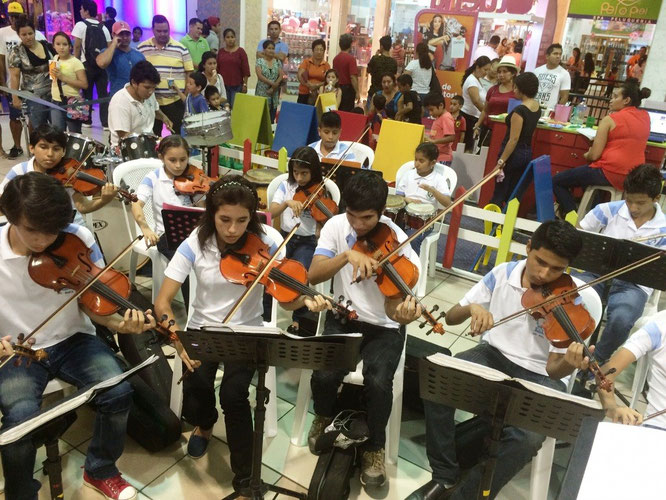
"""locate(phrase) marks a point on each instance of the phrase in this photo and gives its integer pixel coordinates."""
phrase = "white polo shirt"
(337, 152)
(410, 186)
(29, 166)
(337, 236)
(288, 220)
(215, 296)
(130, 115)
(24, 304)
(613, 219)
(521, 340)
(158, 189)
(652, 338)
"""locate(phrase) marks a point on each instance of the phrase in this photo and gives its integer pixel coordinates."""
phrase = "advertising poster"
(450, 39)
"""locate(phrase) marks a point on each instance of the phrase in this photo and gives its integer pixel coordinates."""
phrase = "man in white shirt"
(134, 108)
(518, 348)
(489, 50)
(8, 40)
(96, 75)
(554, 80)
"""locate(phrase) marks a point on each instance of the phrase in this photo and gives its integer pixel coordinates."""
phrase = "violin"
(398, 275)
(88, 183)
(193, 181)
(286, 280)
(323, 207)
(563, 321)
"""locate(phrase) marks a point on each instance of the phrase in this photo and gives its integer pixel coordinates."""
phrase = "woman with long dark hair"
(436, 38)
(575, 67)
(588, 70)
(474, 94)
(420, 70)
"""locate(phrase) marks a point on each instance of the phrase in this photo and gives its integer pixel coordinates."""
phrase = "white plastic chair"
(542, 463)
(361, 152)
(643, 364)
(428, 253)
(130, 174)
(331, 187)
(176, 401)
(305, 394)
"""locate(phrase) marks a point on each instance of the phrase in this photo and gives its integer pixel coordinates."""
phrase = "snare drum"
(136, 146)
(418, 214)
(394, 210)
(78, 147)
(208, 129)
(261, 178)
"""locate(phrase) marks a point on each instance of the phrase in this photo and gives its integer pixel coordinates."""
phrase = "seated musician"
(379, 318)
(639, 214)
(424, 185)
(304, 171)
(38, 210)
(517, 348)
(329, 146)
(651, 339)
(133, 109)
(229, 217)
(47, 146)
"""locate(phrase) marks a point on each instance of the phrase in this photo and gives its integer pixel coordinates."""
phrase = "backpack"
(95, 42)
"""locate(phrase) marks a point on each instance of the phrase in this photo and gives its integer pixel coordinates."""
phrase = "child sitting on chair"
(329, 146)
(423, 184)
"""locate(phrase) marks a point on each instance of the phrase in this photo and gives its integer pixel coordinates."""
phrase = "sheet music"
(588, 132)
(15, 433)
(626, 462)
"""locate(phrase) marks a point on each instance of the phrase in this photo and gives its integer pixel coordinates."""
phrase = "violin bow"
(655, 414)
(313, 195)
(439, 216)
(75, 296)
(648, 238)
(261, 274)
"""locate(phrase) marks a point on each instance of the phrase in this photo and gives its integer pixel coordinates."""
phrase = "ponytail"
(479, 63)
(424, 55)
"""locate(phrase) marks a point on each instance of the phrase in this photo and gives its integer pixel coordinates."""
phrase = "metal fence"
(596, 92)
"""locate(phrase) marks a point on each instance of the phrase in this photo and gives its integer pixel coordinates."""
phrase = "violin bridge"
(75, 270)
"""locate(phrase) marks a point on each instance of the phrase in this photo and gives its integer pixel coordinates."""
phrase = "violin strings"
(296, 285)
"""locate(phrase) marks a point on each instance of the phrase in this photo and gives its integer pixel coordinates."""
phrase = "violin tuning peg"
(348, 303)
(341, 298)
(435, 308)
(422, 325)
(172, 322)
(441, 316)
(429, 332)
(20, 337)
(164, 317)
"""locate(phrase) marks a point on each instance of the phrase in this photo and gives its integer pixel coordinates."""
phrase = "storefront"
(611, 30)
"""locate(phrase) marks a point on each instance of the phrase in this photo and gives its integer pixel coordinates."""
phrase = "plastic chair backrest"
(591, 300)
(449, 174)
(361, 152)
(130, 174)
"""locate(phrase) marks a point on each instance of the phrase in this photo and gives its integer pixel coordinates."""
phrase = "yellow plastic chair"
(503, 254)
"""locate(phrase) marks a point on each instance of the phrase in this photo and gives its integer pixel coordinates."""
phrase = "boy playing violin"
(518, 348)
(47, 145)
(379, 318)
(38, 210)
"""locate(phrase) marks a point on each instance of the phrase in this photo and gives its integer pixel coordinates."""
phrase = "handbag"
(76, 113)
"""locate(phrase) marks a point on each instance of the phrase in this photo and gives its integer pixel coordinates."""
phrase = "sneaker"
(197, 445)
(373, 470)
(86, 125)
(15, 153)
(113, 488)
(317, 429)
(106, 129)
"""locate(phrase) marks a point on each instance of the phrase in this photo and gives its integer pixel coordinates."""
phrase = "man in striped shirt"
(173, 62)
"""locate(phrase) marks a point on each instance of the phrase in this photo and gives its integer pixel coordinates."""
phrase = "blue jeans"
(513, 169)
(80, 360)
(232, 90)
(517, 446)
(301, 249)
(381, 349)
(418, 241)
(575, 177)
(59, 120)
(38, 113)
(625, 305)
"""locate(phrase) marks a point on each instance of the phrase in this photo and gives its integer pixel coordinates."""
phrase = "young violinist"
(38, 210)
(379, 318)
(230, 215)
(329, 146)
(518, 348)
(47, 146)
(424, 185)
(304, 172)
(638, 215)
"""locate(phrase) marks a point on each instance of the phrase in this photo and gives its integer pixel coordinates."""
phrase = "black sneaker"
(373, 470)
(15, 153)
(318, 425)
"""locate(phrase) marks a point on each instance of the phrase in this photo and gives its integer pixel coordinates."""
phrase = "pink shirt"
(443, 126)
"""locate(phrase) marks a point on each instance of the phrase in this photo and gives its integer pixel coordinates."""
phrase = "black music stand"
(507, 401)
(264, 347)
(179, 224)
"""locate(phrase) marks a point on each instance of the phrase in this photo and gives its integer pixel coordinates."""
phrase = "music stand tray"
(508, 401)
(264, 347)
(179, 224)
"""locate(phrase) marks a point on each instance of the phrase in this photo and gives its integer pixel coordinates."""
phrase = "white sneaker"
(106, 129)
(86, 125)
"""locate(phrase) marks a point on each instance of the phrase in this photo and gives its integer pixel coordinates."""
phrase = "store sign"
(494, 6)
(626, 9)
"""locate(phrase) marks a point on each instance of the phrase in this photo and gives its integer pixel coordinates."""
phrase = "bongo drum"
(261, 178)
(394, 210)
(417, 214)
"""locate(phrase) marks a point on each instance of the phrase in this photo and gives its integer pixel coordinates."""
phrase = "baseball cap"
(119, 27)
(15, 8)
(213, 21)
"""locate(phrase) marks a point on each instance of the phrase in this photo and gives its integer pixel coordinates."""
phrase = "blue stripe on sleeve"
(96, 255)
(615, 206)
(599, 214)
(490, 281)
(147, 181)
(186, 251)
(510, 266)
(655, 334)
(11, 175)
(325, 252)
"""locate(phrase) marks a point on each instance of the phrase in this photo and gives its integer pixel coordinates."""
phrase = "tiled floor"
(171, 474)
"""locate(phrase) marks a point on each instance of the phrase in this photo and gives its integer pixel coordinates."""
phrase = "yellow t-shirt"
(68, 68)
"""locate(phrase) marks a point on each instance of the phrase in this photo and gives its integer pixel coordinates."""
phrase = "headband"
(235, 184)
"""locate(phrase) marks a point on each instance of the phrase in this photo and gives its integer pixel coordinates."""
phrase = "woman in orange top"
(617, 148)
(311, 73)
